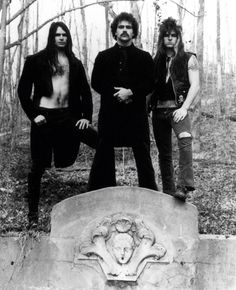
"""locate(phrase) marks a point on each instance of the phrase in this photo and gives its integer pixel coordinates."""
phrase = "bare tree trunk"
(2, 42)
(107, 25)
(70, 20)
(62, 4)
(76, 30)
(16, 112)
(156, 25)
(108, 12)
(84, 46)
(112, 15)
(221, 110)
(26, 28)
(200, 36)
(181, 11)
(7, 95)
(228, 63)
(197, 105)
(135, 11)
(36, 41)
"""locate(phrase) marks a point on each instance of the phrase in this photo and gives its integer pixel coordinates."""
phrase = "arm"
(86, 96)
(96, 74)
(142, 86)
(193, 74)
(146, 85)
(99, 80)
(25, 89)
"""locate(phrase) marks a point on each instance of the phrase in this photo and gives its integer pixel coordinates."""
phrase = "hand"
(82, 124)
(39, 120)
(179, 114)
(123, 94)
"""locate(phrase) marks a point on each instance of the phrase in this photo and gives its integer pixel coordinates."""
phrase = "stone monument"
(128, 238)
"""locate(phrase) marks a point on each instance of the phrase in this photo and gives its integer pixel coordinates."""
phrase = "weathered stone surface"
(156, 221)
(216, 267)
(114, 238)
(9, 252)
(175, 218)
(216, 263)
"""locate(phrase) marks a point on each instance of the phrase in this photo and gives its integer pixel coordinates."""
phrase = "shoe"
(171, 193)
(181, 194)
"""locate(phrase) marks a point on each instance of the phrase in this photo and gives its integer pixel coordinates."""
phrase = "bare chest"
(60, 84)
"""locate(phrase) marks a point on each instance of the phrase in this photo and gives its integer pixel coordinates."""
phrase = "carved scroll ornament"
(122, 244)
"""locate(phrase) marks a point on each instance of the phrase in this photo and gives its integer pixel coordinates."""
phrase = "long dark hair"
(124, 16)
(51, 48)
(167, 26)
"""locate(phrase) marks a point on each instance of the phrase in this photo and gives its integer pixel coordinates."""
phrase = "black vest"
(179, 79)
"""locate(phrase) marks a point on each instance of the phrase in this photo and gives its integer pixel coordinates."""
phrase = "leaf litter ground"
(214, 167)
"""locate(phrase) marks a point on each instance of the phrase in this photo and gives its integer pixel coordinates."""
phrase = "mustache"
(124, 34)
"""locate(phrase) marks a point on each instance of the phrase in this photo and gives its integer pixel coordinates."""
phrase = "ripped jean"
(163, 124)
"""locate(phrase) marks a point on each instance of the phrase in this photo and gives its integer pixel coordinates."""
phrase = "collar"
(130, 47)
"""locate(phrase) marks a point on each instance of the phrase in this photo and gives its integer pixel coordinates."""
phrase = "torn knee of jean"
(184, 135)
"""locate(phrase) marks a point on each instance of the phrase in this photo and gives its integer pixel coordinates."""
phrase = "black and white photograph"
(117, 144)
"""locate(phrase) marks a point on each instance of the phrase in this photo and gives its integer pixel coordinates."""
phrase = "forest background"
(208, 30)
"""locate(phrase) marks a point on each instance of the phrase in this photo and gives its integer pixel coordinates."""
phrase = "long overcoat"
(120, 123)
(35, 82)
(37, 78)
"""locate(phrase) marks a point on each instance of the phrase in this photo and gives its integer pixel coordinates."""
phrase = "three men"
(123, 76)
(61, 107)
(60, 110)
(176, 86)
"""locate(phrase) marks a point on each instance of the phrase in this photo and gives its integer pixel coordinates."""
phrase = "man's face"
(124, 33)
(170, 39)
(60, 38)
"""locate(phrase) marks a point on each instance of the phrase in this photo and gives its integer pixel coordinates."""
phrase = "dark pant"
(59, 137)
(163, 124)
(102, 173)
(34, 182)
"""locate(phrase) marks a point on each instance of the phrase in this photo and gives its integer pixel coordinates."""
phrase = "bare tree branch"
(18, 42)
(20, 11)
(193, 14)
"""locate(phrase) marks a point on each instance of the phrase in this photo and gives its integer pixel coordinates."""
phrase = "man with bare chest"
(60, 109)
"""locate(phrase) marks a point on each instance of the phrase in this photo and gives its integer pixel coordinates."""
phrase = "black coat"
(37, 73)
(123, 124)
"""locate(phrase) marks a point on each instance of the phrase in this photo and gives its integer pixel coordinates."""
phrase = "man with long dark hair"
(60, 109)
(123, 76)
(176, 87)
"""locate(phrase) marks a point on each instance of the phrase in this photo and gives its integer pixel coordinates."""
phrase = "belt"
(53, 110)
(166, 104)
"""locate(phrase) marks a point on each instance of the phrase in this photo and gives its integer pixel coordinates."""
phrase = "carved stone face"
(122, 247)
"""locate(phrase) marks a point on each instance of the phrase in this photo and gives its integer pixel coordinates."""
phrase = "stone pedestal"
(119, 238)
(124, 238)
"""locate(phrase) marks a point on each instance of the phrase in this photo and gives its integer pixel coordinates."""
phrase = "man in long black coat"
(60, 109)
(123, 76)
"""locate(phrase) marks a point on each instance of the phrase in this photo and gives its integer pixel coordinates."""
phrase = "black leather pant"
(41, 155)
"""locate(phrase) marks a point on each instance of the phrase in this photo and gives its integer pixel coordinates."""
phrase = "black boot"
(181, 193)
(34, 181)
